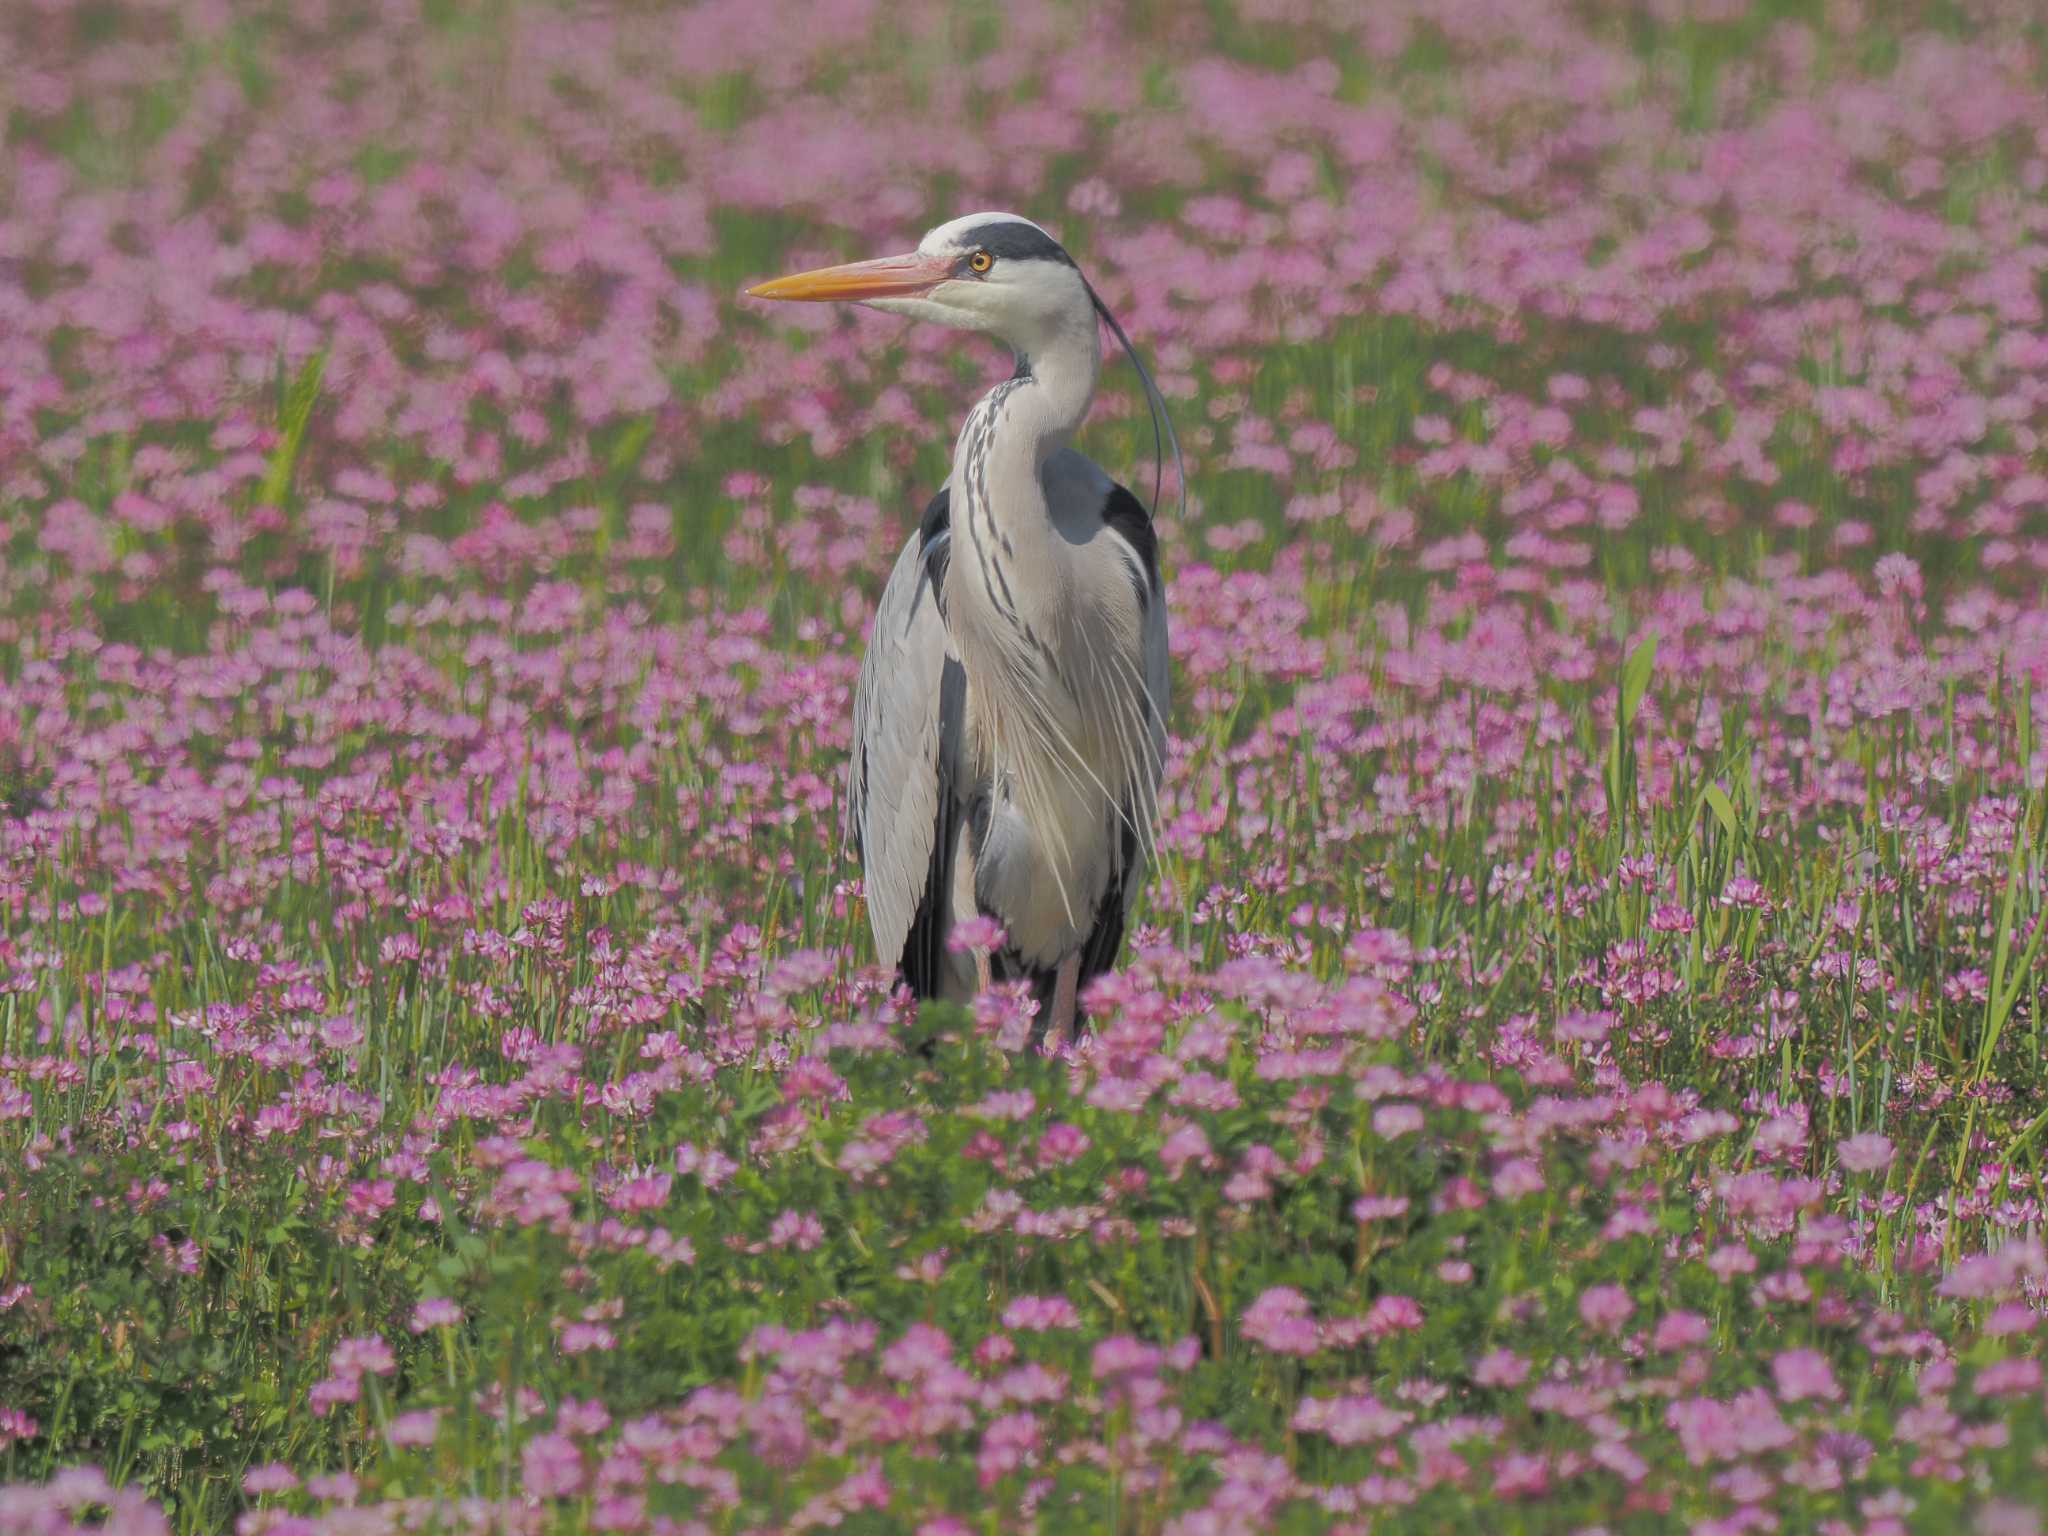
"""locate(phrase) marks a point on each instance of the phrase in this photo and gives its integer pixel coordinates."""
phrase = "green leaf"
(1722, 807)
(632, 442)
(1635, 679)
(293, 415)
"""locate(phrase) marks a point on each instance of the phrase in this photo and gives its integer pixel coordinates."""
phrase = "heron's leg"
(984, 971)
(1066, 983)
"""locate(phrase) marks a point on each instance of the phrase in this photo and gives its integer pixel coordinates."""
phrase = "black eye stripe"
(1009, 240)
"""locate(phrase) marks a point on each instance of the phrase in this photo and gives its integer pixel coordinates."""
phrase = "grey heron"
(1009, 722)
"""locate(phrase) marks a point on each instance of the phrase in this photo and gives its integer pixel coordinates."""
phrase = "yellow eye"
(980, 261)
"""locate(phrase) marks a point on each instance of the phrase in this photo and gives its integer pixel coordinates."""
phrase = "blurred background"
(311, 292)
(430, 595)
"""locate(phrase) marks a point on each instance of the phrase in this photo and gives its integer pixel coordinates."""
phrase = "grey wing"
(1125, 517)
(903, 808)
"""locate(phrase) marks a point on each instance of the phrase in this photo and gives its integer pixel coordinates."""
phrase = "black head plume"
(1162, 420)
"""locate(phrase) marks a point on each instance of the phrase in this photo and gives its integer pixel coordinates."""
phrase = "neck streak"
(1013, 566)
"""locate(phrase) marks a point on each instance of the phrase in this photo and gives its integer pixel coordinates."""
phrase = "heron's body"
(1009, 721)
(946, 830)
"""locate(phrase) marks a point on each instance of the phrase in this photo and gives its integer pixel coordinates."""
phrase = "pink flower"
(1379, 1207)
(712, 1167)
(332, 1487)
(1120, 1356)
(414, 1429)
(551, 1467)
(1009, 1444)
(1898, 575)
(1517, 1177)
(1037, 1314)
(1500, 1368)
(1350, 1420)
(2007, 1517)
(1061, 1144)
(922, 1350)
(1392, 1314)
(1006, 1104)
(366, 1354)
(2009, 1318)
(996, 1349)
(1667, 918)
(1586, 1028)
(1986, 1276)
(436, 1312)
(326, 1393)
(1706, 1429)
(1189, 1144)
(1730, 1260)
(648, 1192)
(1605, 1308)
(1680, 1330)
(2016, 1377)
(587, 1338)
(1392, 1121)
(800, 1230)
(1867, 1153)
(1280, 1321)
(1520, 1475)
(1804, 1373)
(273, 1477)
(973, 933)
(1782, 1137)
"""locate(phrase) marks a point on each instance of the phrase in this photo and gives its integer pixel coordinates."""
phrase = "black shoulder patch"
(1014, 240)
(937, 519)
(1125, 515)
(935, 547)
(923, 961)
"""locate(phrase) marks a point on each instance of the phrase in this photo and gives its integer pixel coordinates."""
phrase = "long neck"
(1055, 384)
(1001, 522)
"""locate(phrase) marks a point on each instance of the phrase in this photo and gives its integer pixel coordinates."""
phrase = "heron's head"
(992, 272)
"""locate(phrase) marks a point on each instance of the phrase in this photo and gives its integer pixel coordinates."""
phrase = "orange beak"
(890, 277)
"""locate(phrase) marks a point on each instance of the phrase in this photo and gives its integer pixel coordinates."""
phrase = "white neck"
(1062, 368)
(1002, 527)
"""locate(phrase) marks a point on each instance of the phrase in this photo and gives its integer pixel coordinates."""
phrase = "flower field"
(1579, 1062)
